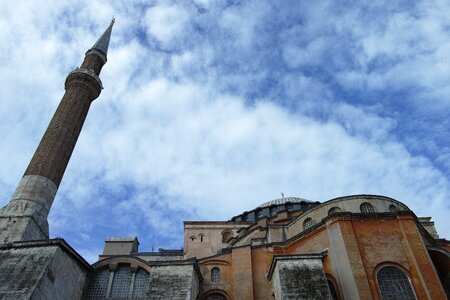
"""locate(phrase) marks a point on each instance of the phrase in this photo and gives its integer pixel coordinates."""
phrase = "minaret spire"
(25, 216)
(102, 43)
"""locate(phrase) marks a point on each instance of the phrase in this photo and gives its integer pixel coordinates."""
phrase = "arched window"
(98, 284)
(308, 223)
(141, 283)
(367, 208)
(215, 274)
(393, 208)
(394, 284)
(216, 296)
(201, 235)
(332, 289)
(121, 282)
(226, 235)
(334, 210)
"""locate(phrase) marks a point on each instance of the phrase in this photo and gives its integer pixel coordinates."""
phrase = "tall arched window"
(308, 223)
(394, 284)
(141, 283)
(332, 289)
(334, 210)
(121, 282)
(215, 274)
(367, 208)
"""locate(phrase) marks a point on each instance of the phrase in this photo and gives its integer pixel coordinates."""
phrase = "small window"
(394, 284)
(226, 236)
(192, 238)
(215, 274)
(393, 208)
(367, 208)
(334, 210)
(201, 235)
(308, 223)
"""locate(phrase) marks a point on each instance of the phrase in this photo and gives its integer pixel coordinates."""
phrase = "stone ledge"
(50, 242)
(281, 257)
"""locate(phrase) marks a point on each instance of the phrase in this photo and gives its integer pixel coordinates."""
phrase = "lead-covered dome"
(284, 200)
(271, 208)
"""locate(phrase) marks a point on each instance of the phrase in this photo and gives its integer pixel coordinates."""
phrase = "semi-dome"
(283, 201)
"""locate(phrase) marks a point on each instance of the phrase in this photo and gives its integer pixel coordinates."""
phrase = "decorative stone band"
(25, 216)
(87, 78)
(36, 189)
(98, 53)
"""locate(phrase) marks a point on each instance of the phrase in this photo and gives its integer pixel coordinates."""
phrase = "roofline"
(189, 261)
(50, 242)
(343, 198)
(215, 223)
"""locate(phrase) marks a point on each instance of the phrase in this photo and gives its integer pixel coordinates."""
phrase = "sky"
(211, 108)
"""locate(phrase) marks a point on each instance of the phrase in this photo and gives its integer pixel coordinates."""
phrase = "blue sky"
(211, 108)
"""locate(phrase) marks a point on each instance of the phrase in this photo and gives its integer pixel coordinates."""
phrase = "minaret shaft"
(25, 216)
(55, 149)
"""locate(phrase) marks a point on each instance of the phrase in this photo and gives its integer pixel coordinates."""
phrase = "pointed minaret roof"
(103, 42)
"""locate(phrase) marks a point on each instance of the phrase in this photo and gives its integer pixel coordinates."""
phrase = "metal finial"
(113, 20)
(282, 195)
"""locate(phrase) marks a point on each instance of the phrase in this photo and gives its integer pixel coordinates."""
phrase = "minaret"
(24, 218)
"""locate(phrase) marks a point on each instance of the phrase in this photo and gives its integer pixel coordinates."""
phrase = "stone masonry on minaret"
(24, 218)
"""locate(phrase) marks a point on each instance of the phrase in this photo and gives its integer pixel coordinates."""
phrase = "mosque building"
(351, 247)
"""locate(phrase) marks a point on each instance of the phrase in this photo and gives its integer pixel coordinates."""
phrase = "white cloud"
(174, 136)
(167, 24)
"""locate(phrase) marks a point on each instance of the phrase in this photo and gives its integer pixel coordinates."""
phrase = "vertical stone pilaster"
(242, 273)
(348, 261)
(429, 285)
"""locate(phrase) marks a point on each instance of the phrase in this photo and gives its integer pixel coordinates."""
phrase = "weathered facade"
(353, 247)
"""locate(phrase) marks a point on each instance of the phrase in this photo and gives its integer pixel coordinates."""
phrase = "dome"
(283, 201)
(273, 207)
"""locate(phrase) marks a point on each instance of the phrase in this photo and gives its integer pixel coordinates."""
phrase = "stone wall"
(40, 270)
(299, 277)
(174, 282)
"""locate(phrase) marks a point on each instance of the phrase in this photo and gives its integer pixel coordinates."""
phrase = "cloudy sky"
(211, 108)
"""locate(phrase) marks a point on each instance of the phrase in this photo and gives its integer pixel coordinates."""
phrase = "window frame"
(368, 204)
(399, 268)
(211, 275)
(334, 209)
(308, 223)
